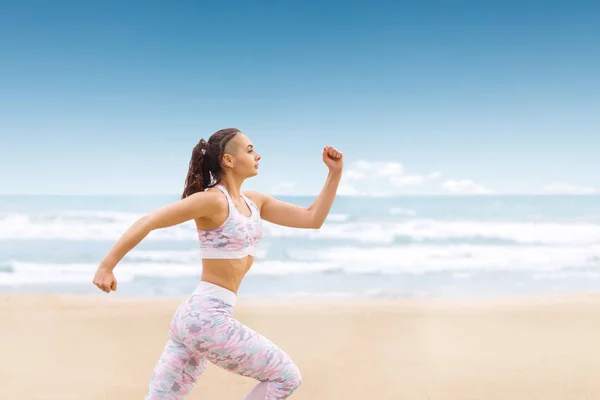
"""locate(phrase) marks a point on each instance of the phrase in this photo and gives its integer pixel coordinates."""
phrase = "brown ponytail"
(205, 169)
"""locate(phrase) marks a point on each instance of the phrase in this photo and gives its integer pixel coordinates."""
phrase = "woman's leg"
(175, 373)
(215, 335)
(246, 352)
(178, 367)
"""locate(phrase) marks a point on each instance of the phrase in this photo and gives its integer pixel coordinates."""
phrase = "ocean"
(388, 247)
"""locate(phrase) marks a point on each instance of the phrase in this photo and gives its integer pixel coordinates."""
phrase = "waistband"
(211, 290)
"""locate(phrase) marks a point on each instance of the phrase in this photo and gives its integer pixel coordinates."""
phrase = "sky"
(426, 97)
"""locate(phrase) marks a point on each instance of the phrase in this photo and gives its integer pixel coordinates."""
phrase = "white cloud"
(464, 186)
(566, 188)
(379, 178)
(347, 190)
(388, 178)
(408, 180)
(356, 175)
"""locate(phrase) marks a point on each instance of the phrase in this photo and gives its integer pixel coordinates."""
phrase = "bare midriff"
(227, 273)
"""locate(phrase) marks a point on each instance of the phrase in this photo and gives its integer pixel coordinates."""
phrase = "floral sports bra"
(237, 237)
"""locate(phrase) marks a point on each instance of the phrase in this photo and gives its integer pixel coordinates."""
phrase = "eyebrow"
(249, 146)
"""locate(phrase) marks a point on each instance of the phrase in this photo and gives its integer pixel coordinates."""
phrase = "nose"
(258, 157)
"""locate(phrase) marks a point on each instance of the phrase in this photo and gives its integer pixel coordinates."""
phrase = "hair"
(205, 168)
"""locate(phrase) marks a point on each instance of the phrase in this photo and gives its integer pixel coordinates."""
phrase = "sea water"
(388, 247)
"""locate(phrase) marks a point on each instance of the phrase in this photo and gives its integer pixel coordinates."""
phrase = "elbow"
(316, 224)
(313, 221)
(145, 224)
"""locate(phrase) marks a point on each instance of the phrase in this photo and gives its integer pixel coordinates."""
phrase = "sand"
(105, 347)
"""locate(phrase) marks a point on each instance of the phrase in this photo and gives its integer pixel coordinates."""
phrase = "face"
(241, 157)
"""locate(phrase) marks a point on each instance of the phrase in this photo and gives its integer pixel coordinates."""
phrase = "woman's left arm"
(286, 214)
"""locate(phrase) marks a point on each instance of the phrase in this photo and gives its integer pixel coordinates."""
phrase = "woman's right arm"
(197, 205)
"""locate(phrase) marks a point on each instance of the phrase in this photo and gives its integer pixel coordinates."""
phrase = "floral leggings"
(202, 330)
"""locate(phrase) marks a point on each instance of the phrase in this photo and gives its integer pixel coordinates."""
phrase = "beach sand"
(105, 347)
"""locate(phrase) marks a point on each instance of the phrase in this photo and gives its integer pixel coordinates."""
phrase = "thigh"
(242, 350)
(176, 372)
(207, 327)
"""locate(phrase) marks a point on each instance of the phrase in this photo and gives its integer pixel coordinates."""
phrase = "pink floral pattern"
(203, 330)
(237, 232)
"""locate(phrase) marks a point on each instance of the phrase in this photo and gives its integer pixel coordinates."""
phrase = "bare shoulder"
(213, 200)
(197, 205)
(208, 198)
(257, 198)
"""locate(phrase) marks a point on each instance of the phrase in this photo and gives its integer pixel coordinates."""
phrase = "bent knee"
(292, 378)
(296, 381)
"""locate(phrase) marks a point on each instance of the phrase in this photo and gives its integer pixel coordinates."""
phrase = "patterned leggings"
(204, 330)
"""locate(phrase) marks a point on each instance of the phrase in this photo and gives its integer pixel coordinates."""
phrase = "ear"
(227, 160)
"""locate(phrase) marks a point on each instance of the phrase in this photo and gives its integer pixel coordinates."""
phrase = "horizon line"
(395, 195)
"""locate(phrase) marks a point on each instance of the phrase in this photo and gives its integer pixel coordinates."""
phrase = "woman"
(229, 228)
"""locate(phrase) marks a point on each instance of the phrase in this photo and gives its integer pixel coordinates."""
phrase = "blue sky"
(423, 97)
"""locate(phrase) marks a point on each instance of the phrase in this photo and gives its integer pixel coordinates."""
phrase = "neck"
(233, 185)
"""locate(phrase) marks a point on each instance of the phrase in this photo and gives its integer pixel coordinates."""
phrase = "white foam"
(551, 233)
(418, 259)
(101, 225)
(413, 259)
(83, 273)
(337, 217)
(561, 275)
(82, 225)
(281, 268)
